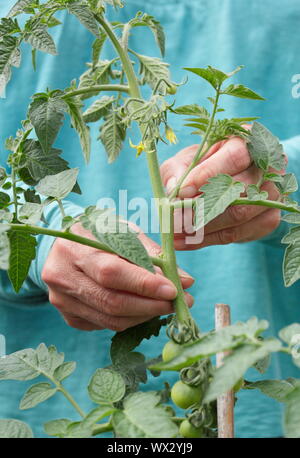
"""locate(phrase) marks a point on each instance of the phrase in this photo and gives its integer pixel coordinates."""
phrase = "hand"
(97, 290)
(239, 223)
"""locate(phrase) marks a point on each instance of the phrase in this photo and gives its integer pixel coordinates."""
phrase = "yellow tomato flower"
(170, 135)
(139, 148)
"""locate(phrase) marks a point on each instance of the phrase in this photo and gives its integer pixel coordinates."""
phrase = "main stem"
(167, 238)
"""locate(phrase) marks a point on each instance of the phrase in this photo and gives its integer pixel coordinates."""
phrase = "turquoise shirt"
(264, 37)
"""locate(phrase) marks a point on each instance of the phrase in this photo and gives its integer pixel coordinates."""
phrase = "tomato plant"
(28, 188)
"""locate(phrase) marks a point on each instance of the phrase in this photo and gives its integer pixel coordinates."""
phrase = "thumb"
(172, 169)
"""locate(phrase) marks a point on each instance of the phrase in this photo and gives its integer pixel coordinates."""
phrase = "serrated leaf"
(215, 342)
(143, 19)
(254, 193)
(47, 115)
(126, 341)
(192, 110)
(288, 184)
(275, 389)
(22, 252)
(291, 421)
(98, 109)
(243, 92)
(57, 428)
(85, 16)
(4, 249)
(292, 236)
(265, 149)
(291, 264)
(18, 7)
(219, 193)
(132, 366)
(65, 370)
(152, 69)
(41, 40)
(21, 365)
(14, 429)
(106, 387)
(30, 213)
(40, 164)
(98, 414)
(59, 185)
(142, 416)
(4, 199)
(10, 55)
(235, 365)
(8, 26)
(117, 236)
(212, 75)
(77, 120)
(291, 218)
(112, 135)
(36, 394)
(97, 47)
(78, 429)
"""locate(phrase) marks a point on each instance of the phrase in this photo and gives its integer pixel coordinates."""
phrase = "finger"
(110, 301)
(232, 158)
(258, 227)
(173, 168)
(86, 318)
(113, 272)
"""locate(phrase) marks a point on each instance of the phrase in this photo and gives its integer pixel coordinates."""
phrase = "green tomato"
(239, 385)
(184, 395)
(170, 350)
(189, 431)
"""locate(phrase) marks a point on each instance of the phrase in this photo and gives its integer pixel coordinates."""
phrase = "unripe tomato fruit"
(172, 89)
(189, 431)
(184, 395)
(170, 350)
(239, 385)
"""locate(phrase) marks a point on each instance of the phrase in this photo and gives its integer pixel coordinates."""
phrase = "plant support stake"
(225, 402)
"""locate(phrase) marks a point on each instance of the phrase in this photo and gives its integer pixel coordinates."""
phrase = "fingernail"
(184, 274)
(167, 292)
(190, 299)
(171, 184)
(188, 191)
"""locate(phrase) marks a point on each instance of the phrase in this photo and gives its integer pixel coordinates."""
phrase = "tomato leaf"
(36, 394)
(144, 417)
(106, 387)
(22, 252)
(14, 429)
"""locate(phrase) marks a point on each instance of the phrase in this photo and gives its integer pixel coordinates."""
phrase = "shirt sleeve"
(44, 242)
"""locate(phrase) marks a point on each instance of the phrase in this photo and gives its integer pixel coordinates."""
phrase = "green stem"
(61, 207)
(99, 429)
(169, 265)
(69, 398)
(97, 88)
(37, 230)
(15, 196)
(201, 150)
(188, 203)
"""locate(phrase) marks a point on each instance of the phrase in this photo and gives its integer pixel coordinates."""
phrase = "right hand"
(97, 290)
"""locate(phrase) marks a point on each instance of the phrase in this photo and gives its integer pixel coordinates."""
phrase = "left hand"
(239, 223)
